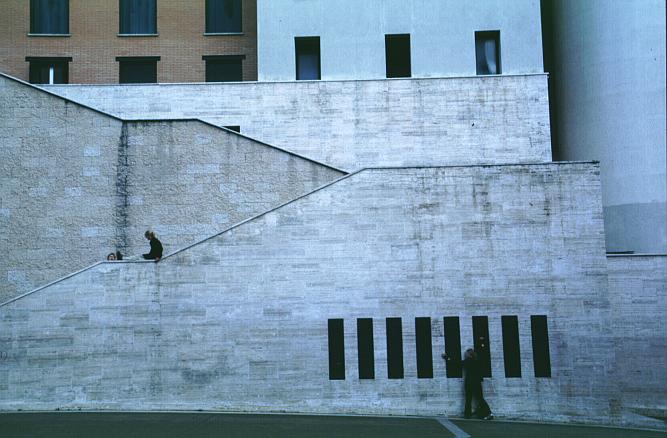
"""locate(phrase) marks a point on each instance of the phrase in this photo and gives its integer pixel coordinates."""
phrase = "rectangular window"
(236, 128)
(424, 348)
(138, 70)
(365, 348)
(540, 334)
(50, 17)
(480, 332)
(138, 17)
(307, 58)
(48, 70)
(336, 350)
(225, 68)
(453, 347)
(397, 55)
(511, 349)
(394, 348)
(223, 16)
(487, 50)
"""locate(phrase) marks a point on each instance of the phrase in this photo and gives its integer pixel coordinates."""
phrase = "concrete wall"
(77, 184)
(638, 297)
(609, 76)
(355, 124)
(352, 46)
(58, 163)
(239, 322)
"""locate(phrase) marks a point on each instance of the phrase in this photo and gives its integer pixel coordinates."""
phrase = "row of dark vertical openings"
(424, 347)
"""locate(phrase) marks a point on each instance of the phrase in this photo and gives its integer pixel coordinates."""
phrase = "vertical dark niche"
(121, 207)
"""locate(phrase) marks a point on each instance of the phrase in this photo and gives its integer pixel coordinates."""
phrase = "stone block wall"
(638, 296)
(355, 124)
(239, 322)
(58, 164)
(77, 184)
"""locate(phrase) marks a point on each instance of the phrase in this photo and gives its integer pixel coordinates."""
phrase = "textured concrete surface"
(240, 321)
(355, 124)
(76, 184)
(638, 298)
(442, 35)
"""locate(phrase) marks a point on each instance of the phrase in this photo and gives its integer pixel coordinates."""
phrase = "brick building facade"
(92, 48)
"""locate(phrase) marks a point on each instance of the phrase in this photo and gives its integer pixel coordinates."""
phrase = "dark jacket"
(156, 250)
(473, 372)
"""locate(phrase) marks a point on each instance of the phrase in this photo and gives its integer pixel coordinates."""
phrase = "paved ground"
(200, 425)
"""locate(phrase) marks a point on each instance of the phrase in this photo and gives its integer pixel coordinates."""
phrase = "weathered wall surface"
(240, 321)
(188, 180)
(57, 186)
(77, 184)
(638, 297)
(355, 124)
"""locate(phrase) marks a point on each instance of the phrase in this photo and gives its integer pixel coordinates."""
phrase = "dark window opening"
(453, 347)
(365, 348)
(236, 128)
(424, 348)
(511, 348)
(224, 68)
(336, 350)
(480, 332)
(307, 58)
(540, 335)
(397, 54)
(49, 17)
(394, 348)
(48, 70)
(138, 70)
(223, 16)
(487, 50)
(138, 17)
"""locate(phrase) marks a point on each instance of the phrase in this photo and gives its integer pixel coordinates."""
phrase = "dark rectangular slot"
(138, 70)
(397, 55)
(224, 68)
(234, 128)
(540, 334)
(424, 348)
(336, 350)
(511, 349)
(394, 348)
(365, 348)
(487, 52)
(307, 58)
(480, 333)
(453, 347)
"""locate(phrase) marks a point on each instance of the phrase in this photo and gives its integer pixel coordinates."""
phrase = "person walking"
(156, 247)
(473, 386)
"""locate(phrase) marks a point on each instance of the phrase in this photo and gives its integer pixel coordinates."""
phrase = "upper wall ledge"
(242, 83)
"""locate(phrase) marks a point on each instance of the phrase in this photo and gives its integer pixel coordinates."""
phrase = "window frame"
(136, 34)
(33, 22)
(222, 58)
(484, 35)
(46, 60)
(136, 59)
(304, 41)
(209, 32)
